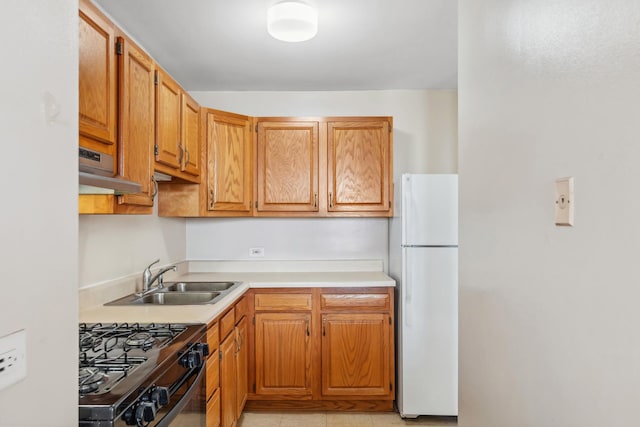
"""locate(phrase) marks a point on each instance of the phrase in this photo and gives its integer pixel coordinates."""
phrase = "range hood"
(96, 170)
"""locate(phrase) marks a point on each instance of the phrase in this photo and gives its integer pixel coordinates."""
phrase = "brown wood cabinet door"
(190, 135)
(287, 166)
(169, 149)
(242, 366)
(359, 166)
(213, 410)
(137, 121)
(229, 168)
(356, 355)
(228, 349)
(97, 80)
(283, 354)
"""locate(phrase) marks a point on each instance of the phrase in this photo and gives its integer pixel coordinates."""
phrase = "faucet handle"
(146, 275)
(154, 262)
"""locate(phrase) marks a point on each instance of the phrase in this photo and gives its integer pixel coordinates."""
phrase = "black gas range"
(141, 374)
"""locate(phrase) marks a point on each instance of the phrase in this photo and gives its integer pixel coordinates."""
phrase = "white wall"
(549, 315)
(38, 218)
(425, 141)
(288, 239)
(114, 246)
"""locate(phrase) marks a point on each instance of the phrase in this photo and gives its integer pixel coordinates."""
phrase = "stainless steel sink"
(180, 293)
(177, 298)
(198, 286)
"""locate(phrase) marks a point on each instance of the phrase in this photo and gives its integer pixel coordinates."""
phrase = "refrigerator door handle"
(408, 291)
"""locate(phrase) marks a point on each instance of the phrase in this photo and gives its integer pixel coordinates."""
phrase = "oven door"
(187, 406)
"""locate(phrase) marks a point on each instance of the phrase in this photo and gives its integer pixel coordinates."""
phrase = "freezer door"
(429, 333)
(430, 209)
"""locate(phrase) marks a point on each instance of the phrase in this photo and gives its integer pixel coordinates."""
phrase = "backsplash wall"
(114, 246)
(287, 239)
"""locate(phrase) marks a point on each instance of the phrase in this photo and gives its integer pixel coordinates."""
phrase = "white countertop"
(207, 313)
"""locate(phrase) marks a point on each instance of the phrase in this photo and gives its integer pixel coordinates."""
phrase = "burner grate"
(109, 352)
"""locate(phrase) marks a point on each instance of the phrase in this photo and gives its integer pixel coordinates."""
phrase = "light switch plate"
(564, 203)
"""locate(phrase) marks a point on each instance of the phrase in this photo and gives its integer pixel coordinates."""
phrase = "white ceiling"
(361, 44)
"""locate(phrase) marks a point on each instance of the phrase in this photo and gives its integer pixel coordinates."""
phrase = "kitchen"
(40, 246)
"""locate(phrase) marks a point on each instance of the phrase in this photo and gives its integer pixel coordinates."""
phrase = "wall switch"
(564, 201)
(256, 252)
(13, 358)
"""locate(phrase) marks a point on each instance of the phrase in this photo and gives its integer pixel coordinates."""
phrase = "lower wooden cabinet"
(356, 354)
(242, 365)
(234, 359)
(228, 381)
(283, 354)
(308, 349)
(213, 410)
(346, 362)
(212, 377)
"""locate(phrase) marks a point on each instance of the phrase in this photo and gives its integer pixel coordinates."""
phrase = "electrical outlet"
(13, 358)
(256, 252)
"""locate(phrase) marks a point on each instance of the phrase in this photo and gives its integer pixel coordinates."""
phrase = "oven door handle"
(193, 388)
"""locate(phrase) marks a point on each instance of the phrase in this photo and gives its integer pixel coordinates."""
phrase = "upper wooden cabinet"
(287, 166)
(190, 135)
(97, 81)
(168, 148)
(137, 120)
(359, 164)
(177, 147)
(135, 98)
(229, 166)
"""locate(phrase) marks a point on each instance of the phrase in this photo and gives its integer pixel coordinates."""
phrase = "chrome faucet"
(148, 279)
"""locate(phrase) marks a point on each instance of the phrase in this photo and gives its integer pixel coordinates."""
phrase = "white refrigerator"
(423, 259)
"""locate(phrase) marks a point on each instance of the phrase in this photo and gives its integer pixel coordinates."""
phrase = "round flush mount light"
(292, 21)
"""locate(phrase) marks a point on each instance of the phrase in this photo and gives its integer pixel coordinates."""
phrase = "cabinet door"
(356, 355)
(242, 366)
(190, 135)
(228, 349)
(283, 354)
(169, 149)
(137, 121)
(359, 166)
(213, 410)
(229, 168)
(97, 80)
(287, 166)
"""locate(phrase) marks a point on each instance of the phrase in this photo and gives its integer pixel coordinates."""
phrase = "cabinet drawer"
(213, 410)
(213, 373)
(242, 308)
(227, 323)
(213, 338)
(377, 302)
(298, 301)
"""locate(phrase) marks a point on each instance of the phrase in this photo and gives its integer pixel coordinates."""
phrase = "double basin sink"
(181, 293)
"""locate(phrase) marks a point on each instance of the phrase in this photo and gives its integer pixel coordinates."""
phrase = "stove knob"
(203, 348)
(160, 396)
(193, 359)
(145, 412)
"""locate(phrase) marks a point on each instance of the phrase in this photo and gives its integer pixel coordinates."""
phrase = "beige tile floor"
(338, 419)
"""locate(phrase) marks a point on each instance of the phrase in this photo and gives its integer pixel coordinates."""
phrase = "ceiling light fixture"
(292, 21)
